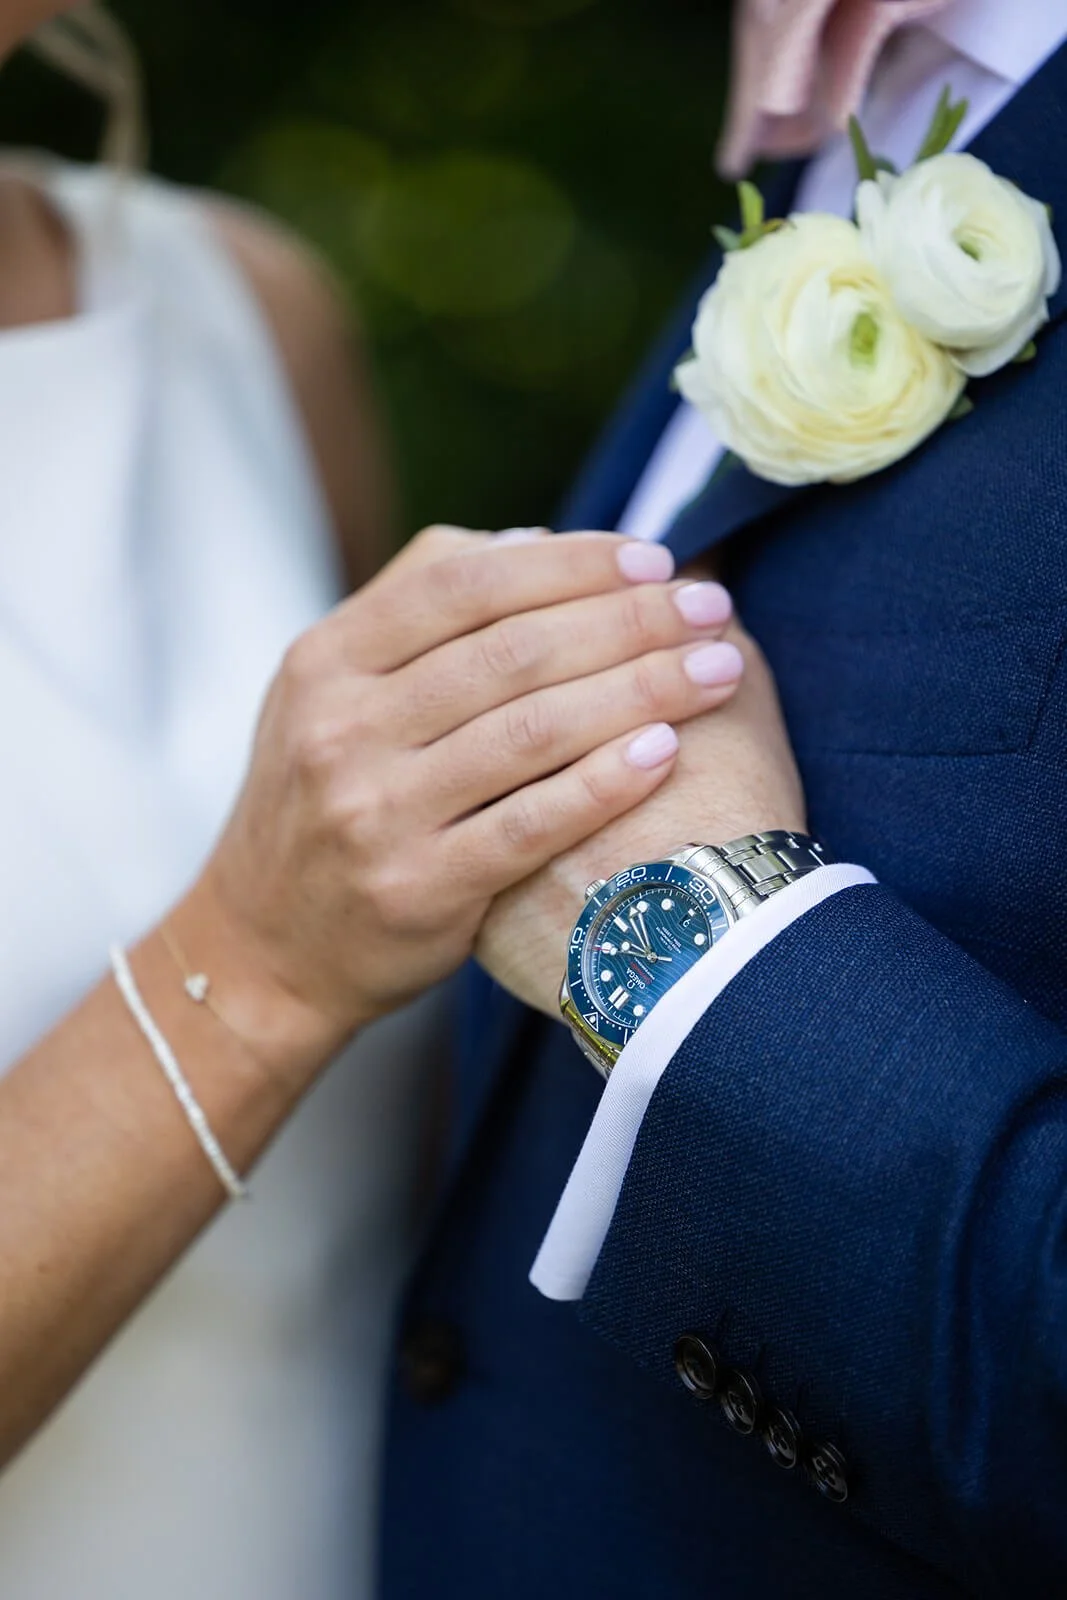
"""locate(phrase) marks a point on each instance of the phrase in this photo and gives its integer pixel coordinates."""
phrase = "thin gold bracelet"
(197, 985)
(168, 1062)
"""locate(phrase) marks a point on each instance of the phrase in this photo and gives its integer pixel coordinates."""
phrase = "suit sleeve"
(852, 1181)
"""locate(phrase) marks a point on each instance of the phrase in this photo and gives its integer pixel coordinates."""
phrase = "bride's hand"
(476, 710)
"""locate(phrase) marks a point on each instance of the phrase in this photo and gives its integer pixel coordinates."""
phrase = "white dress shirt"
(985, 50)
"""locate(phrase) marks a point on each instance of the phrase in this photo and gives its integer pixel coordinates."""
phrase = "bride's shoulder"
(317, 338)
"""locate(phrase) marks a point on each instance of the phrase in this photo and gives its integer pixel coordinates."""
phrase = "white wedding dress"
(162, 538)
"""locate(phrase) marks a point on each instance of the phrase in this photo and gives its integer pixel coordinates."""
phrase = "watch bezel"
(584, 1013)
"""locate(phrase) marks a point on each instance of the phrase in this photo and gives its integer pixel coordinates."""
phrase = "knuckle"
(438, 541)
(304, 661)
(647, 685)
(463, 584)
(508, 649)
(529, 727)
(318, 752)
(638, 620)
(432, 534)
(395, 898)
(432, 546)
(599, 787)
(357, 810)
(445, 536)
(523, 824)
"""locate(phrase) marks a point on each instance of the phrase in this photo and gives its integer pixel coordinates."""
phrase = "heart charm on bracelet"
(197, 986)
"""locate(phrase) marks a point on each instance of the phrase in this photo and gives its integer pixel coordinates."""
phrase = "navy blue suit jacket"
(853, 1176)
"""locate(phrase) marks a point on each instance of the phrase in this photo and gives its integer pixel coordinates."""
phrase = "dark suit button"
(697, 1364)
(828, 1471)
(781, 1435)
(741, 1401)
(432, 1362)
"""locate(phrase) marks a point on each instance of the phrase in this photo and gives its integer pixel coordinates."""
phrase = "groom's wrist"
(524, 940)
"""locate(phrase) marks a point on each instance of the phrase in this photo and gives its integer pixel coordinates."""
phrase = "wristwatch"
(641, 930)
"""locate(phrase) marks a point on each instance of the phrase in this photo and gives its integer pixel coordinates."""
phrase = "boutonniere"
(828, 349)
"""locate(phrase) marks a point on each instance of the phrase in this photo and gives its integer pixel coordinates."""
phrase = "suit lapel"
(725, 506)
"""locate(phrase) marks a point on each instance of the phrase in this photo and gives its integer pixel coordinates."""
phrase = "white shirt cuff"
(576, 1233)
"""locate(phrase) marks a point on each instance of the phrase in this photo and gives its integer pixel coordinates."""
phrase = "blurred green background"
(514, 193)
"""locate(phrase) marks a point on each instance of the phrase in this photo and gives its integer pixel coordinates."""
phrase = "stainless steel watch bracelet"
(747, 870)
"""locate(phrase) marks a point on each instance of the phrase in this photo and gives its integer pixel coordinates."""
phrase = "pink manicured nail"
(646, 563)
(714, 664)
(703, 605)
(653, 747)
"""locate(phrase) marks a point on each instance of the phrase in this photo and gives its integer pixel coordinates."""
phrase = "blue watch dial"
(636, 938)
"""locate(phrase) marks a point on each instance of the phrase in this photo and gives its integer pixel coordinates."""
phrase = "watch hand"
(640, 950)
(653, 955)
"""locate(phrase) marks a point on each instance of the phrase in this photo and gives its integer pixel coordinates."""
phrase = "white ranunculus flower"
(971, 260)
(803, 365)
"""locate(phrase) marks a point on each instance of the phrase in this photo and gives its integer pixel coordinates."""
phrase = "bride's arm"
(466, 717)
(102, 1183)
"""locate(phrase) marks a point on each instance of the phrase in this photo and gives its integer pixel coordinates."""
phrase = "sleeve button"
(781, 1436)
(697, 1364)
(828, 1471)
(741, 1401)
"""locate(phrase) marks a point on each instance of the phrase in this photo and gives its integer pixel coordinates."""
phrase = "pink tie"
(800, 69)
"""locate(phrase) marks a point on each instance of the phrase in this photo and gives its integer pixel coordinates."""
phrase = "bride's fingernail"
(646, 563)
(713, 664)
(653, 747)
(703, 605)
(521, 535)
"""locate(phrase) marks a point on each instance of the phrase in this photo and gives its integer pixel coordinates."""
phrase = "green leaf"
(752, 208)
(930, 144)
(954, 119)
(1027, 353)
(883, 165)
(944, 125)
(865, 162)
(727, 239)
(963, 408)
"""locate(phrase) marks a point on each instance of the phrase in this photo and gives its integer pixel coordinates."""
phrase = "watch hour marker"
(639, 1011)
(608, 949)
(619, 997)
(700, 938)
(625, 945)
(621, 924)
(642, 906)
(606, 976)
(666, 905)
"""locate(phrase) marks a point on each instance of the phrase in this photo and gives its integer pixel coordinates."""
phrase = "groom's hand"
(735, 774)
